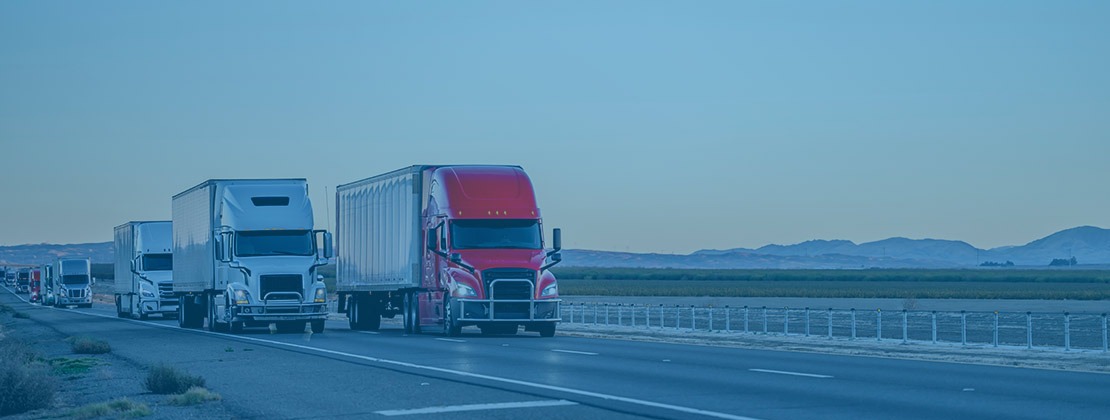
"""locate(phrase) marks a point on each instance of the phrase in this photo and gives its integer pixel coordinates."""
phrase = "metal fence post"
(807, 321)
(1067, 331)
(853, 323)
(934, 327)
(746, 318)
(879, 324)
(963, 328)
(905, 326)
(662, 319)
(1029, 330)
(786, 320)
(710, 318)
(996, 328)
(620, 314)
(765, 320)
(828, 322)
(595, 313)
(728, 319)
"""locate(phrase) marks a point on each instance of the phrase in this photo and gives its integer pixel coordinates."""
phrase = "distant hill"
(101, 252)
(1088, 244)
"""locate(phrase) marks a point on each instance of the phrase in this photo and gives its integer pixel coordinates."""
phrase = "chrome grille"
(280, 283)
(165, 290)
(509, 289)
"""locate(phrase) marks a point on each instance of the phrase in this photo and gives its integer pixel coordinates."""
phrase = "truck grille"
(280, 283)
(165, 290)
(510, 290)
(79, 293)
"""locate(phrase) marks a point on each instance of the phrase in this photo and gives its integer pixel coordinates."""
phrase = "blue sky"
(646, 126)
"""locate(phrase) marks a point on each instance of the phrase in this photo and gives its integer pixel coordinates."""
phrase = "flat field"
(919, 284)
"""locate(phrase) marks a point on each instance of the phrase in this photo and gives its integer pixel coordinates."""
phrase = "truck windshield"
(274, 242)
(75, 279)
(495, 234)
(157, 262)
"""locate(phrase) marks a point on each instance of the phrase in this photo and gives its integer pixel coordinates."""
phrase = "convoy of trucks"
(73, 282)
(245, 254)
(446, 247)
(144, 270)
(443, 246)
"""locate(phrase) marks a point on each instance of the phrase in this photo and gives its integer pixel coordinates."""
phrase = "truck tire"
(317, 326)
(451, 327)
(213, 322)
(352, 313)
(412, 313)
(547, 330)
(119, 308)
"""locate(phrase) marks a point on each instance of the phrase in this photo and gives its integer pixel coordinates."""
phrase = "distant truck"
(73, 282)
(245, 254)
(446, 247)
(9, 278)
(35, 288)
(23, 280)
(144, 270)
(47, 291)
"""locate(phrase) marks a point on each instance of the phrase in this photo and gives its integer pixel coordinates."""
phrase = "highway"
(343, 373)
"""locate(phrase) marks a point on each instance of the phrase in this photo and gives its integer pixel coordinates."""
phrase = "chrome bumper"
(480, 310)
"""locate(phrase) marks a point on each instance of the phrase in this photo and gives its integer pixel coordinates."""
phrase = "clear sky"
(646, 126)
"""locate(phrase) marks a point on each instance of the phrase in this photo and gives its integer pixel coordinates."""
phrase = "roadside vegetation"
(88, 345)
(166, 379)
(121, 408)
(25, 381)
(195, 395)
(905, 284)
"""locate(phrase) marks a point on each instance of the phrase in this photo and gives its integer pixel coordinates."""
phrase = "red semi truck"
(446, 247)
(35, 287)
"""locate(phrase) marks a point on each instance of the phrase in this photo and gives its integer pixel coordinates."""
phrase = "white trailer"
(73, 282)
(245, 254)
(144, 269)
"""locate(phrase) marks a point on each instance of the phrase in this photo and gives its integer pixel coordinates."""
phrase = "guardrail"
(1078, 331)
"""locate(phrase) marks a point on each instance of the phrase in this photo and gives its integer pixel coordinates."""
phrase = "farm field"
(903, 284)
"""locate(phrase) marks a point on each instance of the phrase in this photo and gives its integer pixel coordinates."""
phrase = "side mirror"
(556, 257)
(557, 239)
(443, 238)
(431, 242)
(329, 248)
(135, 265)
(223, 247)
(456, 258)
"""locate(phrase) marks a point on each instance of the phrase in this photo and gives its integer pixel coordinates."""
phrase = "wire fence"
(1068, 331)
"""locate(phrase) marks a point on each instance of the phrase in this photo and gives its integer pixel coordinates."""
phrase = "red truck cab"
(36, 285)
(485, 261)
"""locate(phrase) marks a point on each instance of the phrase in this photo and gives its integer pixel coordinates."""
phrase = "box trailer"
(144, 270)
(445, 247)
(245, 254)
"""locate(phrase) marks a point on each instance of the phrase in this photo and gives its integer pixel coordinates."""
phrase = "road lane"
(725, 380)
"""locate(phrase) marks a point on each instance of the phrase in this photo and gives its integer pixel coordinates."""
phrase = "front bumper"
(268, 312)
(159, 306)
(73, 301)
(481, 310)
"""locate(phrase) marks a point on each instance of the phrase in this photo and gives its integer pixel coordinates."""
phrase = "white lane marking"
(609, 397)
(969, 389)
(476, 407)
(453, 340)
(575, 352)
(370, 332)
(783, 372)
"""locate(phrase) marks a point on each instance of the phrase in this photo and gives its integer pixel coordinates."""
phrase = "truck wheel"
(317, 326)
(119, 308)
(352, 313)
(213, 323)
(451, 326)
(412, 313)
(547, 330)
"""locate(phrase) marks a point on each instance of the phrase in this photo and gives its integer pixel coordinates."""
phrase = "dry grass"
(195, 395)
(165, 379)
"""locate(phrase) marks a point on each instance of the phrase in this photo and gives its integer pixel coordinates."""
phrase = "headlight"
(321, 295)
(462, 290)
(146, 293)
(551, 290)
(242, 297)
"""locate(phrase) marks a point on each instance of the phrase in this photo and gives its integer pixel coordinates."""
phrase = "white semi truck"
(144, 269)
(245, 254)
(73, 282)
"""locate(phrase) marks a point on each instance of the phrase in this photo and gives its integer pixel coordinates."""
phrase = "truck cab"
(47, 292)
(144, 269)
(486, 252)
(35, 288)
(23, 280)
(73, 282)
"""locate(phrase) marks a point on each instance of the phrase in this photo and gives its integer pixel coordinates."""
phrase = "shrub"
(194, 396)
(25, 387)
(21, 315)
(165, 379)
(123, 408)
(87, 345)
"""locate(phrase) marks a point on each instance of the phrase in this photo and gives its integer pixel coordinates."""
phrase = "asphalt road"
(343, 373)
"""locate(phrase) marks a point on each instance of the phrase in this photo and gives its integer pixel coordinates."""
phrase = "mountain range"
(1088, 244)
